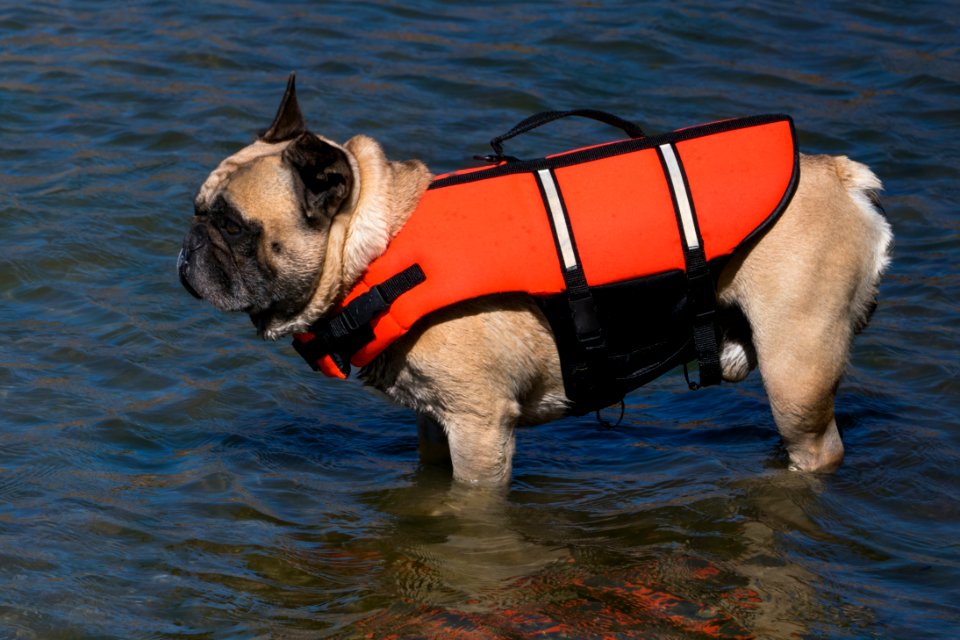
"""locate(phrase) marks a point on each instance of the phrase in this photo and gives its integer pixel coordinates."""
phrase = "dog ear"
(289, 122)
(325, 172)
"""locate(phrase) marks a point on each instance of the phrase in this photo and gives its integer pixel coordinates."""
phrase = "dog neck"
(387, 194)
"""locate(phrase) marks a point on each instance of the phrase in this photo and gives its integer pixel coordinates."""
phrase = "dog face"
(258, 237)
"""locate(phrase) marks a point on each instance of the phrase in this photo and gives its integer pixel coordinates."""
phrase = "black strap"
(362, 309)
(703, 302)
(583, 310)
(700, 285)
(589, 349)
(347, 332)
(544, 117)
(605, 424)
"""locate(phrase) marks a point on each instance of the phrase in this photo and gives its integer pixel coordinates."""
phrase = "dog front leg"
(482, 444)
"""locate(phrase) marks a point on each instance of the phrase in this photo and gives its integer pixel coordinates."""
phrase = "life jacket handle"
(544, 117)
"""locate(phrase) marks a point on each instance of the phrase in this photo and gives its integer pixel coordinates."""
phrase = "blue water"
(165, 474)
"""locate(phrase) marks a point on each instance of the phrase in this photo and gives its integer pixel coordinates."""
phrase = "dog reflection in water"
(458, 559)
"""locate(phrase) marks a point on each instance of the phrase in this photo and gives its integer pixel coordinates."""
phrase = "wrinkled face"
(257, 239)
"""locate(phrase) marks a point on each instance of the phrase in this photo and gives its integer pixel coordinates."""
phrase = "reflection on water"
(474, 560)
(163, 474)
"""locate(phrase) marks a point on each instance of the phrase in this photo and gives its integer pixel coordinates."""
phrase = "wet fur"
(791, 302)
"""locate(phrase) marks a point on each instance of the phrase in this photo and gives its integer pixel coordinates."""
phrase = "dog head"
(285, 225)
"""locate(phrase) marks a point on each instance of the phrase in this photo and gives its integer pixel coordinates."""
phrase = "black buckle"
(586, 325)
(316, 348)
(363, 308)
(309, 351)
(344, 334)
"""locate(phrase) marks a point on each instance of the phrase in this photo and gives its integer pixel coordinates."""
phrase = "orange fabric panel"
(472, 263)
(386, 329)
(493, 235)
(638, 234)
(736, 179)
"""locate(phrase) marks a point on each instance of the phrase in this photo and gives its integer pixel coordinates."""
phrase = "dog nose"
(182, 266)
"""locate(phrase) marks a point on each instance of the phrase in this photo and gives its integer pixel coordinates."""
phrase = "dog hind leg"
(801, 358)
(805, 286)
(801, 382)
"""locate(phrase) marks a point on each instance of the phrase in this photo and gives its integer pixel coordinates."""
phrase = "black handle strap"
(544, 117)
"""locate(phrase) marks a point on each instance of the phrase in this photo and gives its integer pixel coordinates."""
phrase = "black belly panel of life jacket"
(647, 329)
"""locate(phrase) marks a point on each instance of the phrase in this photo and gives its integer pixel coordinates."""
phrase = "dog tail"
(863, 187)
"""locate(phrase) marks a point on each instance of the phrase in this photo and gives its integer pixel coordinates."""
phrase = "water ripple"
(164, 474)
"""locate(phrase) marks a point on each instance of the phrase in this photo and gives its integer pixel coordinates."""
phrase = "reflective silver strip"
(680, 192)
(559, 220)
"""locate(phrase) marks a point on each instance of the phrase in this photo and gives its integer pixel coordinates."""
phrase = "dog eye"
(232, 228)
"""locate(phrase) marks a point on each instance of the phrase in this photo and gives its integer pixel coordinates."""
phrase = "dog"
(285, 227)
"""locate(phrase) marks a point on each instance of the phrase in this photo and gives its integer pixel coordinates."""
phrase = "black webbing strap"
(700, 285)
(583, 310)
(347, 332)
(590, 346)
(703, 303)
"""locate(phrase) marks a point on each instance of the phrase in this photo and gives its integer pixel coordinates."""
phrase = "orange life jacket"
(620, 243)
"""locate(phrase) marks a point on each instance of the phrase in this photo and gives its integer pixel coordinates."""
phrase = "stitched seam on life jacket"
(609, 150)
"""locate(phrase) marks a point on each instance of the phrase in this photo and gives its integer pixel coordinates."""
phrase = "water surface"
(164, 474)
